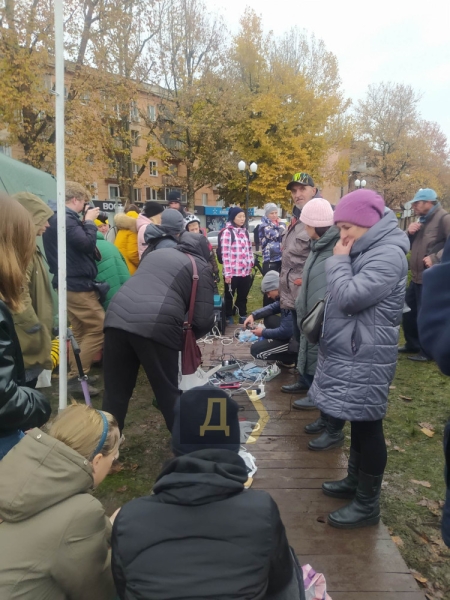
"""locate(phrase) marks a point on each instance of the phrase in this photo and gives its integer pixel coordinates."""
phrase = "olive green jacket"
(34, 324)
(313, 289)
(55, 533)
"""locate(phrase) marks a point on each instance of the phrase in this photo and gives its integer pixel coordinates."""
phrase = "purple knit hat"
(361, 207)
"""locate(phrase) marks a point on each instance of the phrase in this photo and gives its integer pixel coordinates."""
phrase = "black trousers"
(241, 287)
(123, 354)
(273, 349)
(413, 299)
(367, 438)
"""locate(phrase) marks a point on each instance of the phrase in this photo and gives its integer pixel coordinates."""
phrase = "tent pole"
(61, 205)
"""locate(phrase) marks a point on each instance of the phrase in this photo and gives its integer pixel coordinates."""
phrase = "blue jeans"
(7, 442)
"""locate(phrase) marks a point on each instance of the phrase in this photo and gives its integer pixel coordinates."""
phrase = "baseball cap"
(425, 194)
(302, 179)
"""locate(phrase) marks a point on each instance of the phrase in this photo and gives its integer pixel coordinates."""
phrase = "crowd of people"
(334, 289)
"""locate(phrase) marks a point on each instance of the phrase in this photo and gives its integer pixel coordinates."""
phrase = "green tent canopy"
(18, 177)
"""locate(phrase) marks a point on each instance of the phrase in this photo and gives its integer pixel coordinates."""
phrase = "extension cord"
(253, 395)
(272, 371)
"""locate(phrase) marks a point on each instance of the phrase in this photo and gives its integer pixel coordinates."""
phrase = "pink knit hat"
(317, 213)
(361, 207)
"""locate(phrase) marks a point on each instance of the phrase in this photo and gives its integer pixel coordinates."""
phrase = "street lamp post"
(250, 174)
(359, 184)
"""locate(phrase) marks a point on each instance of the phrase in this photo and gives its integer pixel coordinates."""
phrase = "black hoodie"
(154, 302)
(201, 535)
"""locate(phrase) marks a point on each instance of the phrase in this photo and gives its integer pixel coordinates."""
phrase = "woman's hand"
(249, 321)
(228, 280)
(343, 248)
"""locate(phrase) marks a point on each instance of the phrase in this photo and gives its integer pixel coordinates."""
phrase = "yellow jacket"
(126, 238)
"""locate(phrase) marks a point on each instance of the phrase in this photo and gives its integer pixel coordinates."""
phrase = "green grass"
(411, 455)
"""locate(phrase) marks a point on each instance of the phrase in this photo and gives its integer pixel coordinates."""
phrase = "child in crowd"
(193, 226)
(56, 533)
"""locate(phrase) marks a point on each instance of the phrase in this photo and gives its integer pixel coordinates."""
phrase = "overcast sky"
(382, 40)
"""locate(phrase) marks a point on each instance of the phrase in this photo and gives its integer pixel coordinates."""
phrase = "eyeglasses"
(302, 178)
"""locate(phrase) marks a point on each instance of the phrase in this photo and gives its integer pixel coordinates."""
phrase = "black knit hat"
(233, 213)
(205, 417)
(152, 208)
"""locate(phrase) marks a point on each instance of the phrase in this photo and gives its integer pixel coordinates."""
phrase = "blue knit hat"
(233, 213)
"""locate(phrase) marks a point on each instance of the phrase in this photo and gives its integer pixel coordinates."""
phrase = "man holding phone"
(85, 313)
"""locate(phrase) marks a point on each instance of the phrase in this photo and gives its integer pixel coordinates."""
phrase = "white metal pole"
(60, 189)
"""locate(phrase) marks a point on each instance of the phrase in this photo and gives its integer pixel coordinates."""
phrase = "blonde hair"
(17, 246)
(76, 190)
(81, 427)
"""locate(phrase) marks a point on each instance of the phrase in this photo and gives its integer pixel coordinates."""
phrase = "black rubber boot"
(318, 425)
(364, 509)
(345, 488)
(332, 437)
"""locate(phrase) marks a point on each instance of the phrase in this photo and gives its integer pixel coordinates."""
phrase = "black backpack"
(219, 243)
(256, 239)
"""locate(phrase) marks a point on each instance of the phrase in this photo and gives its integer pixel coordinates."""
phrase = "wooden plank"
(358, 564)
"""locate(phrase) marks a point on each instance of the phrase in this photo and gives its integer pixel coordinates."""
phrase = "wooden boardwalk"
(363, 564)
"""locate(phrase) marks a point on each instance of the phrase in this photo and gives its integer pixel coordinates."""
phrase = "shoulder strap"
(193, 291)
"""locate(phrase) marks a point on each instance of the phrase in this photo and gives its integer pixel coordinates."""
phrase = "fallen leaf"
(122, 489)
(397, 541)
(134, 467)
(427, 426)
(399, 449)
(392, 387)
(433, 506)
(388, 443)
(116, 468)
(405, 398)
(418, 577)
(427, 432)
(426, 484)
(321, 519)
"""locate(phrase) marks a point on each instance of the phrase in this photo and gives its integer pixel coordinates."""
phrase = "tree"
(196, 115)
(291, 114)
(402, 151)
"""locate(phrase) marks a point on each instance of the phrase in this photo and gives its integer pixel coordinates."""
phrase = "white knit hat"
(317, 213)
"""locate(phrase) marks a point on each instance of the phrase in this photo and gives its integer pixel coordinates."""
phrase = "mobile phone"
(230, 386)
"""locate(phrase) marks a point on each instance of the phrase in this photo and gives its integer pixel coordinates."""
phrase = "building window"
(134, 112)
(151, 112)
(5, 150)
(135, 168)
(113, 192)
(135, 137)
(153, 167)
(137, 194)
(151, 194)
(205, 199)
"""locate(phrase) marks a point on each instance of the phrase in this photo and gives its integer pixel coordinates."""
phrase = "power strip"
(272, 371)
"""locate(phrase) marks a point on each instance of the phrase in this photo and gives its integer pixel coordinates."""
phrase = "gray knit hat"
(172, 221)
(270, 282)
(270, 207)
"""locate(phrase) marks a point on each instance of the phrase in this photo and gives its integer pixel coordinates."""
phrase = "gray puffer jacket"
(313, 289)
(358, 347)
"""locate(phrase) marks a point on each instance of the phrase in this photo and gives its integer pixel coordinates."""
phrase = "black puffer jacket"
(154, 302)
(20, 407)
(201, 535)
(81, 246)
